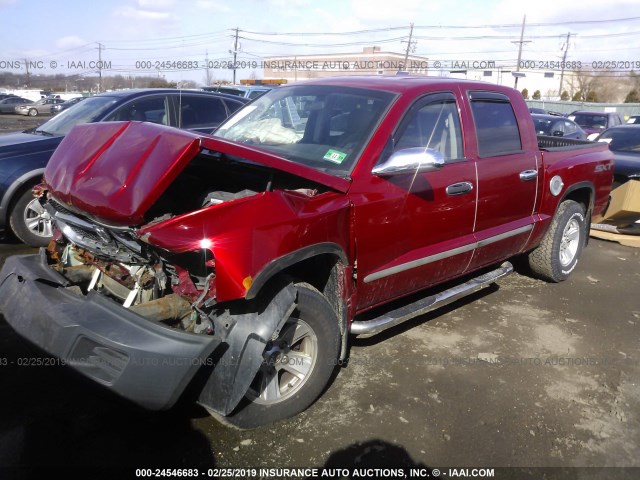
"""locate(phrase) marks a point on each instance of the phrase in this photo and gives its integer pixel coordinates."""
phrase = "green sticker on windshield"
(335, 156)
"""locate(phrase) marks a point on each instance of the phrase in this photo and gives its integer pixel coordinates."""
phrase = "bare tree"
(583, 85)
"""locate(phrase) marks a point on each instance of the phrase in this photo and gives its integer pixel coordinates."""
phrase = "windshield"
(323, 127)
(86, 111)
(622, 140)
(543, 126)
(589, 120)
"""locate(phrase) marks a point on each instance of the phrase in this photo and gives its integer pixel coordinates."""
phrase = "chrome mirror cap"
(410, 160)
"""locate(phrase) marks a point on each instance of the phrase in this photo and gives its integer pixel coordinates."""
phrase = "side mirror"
(410, 160)
(558, 133)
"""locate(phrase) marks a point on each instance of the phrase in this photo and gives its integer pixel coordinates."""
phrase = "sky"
(148, 37)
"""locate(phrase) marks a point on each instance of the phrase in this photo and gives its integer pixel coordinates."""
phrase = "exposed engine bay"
(178, 289)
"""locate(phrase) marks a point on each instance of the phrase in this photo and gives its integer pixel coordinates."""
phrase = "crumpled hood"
(115, 171)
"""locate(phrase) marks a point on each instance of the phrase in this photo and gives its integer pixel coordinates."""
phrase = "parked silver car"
(9, 104)
(36, 108)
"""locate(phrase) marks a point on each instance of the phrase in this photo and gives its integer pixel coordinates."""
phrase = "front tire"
(33, 112)
(30, 222)
(558, 253)
(297, 365)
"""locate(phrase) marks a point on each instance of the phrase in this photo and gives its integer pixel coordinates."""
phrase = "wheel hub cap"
(570, 242)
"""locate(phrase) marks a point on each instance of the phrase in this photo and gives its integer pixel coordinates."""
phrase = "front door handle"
(528, 175)
(459, 188)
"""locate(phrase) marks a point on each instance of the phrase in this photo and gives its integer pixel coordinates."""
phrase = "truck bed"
(549, 143)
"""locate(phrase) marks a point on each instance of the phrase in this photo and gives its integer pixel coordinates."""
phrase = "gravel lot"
(526, 374)
(16, 123)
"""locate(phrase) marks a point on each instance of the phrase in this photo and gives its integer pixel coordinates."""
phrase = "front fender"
(246, 235)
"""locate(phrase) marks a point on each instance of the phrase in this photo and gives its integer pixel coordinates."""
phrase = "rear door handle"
(528, 175)
(459, 188)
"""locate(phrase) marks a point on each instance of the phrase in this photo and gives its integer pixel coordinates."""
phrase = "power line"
(421, 27)
(323, 45)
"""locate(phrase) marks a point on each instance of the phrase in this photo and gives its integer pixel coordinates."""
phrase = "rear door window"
(200, 111)
(496, 125)
(233, 106)
(153, 109)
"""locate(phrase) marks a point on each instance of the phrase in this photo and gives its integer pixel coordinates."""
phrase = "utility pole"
(26, 66)
(206, 69)
(100, 66)
(521, 42)
(409, 47)
(565, 47)
(235, 54)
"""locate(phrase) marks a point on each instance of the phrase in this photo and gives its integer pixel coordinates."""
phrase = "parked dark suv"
(23, 156)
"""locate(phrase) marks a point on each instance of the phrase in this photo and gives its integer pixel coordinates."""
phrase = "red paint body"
(114, 172)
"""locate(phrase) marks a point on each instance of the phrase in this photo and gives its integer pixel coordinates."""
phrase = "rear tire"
(298, 364)
(558, 253)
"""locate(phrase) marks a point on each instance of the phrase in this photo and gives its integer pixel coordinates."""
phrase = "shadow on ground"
(53, 417)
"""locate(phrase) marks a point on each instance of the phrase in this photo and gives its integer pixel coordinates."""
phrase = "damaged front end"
(178, 291)
(128, 291)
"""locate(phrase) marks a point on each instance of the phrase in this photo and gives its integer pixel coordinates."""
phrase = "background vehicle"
(39, 107)
(58, 107)
(557, 127)
(245, 91)
(595, 122)
(624, 142)
(313, 213)
(633, 119)
(9, 104)
(23, 156)
(542, 111)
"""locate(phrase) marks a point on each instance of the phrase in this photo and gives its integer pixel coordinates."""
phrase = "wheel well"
(316, 271)
(582, 196)
(326, 273)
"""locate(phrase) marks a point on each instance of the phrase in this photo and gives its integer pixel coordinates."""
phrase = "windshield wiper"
(44, 132)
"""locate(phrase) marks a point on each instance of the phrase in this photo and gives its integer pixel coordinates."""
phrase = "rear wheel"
(30, 222)
(296, 366)
(558, 253)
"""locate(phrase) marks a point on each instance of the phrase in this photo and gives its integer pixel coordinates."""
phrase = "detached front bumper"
(145, 362)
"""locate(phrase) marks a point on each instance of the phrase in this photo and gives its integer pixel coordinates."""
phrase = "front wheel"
(33, 112)
(30, 222)
(296, 366)
(558, 253)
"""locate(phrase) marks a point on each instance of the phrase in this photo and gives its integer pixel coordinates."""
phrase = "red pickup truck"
(236, 266)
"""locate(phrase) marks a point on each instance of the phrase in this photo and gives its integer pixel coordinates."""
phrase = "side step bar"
(369, 328)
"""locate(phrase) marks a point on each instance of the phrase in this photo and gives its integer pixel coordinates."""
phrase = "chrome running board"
(369, 328)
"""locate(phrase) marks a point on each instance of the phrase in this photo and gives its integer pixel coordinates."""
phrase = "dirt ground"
(16, 123)
(526, 374)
